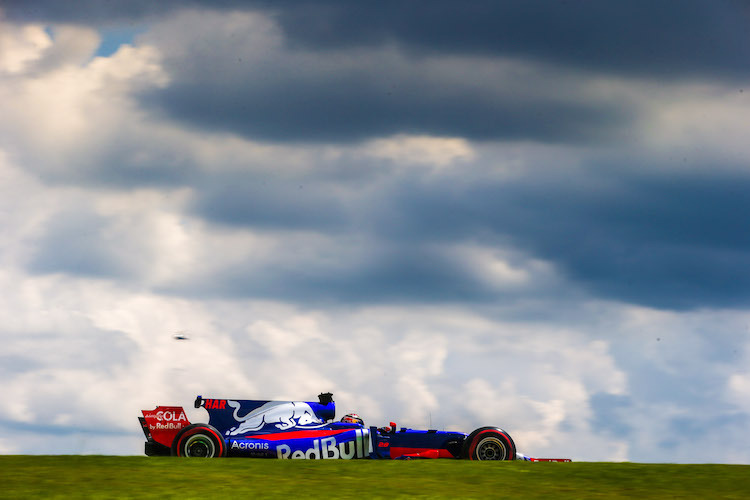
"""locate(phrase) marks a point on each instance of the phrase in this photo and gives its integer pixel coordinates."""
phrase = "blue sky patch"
(114, 38)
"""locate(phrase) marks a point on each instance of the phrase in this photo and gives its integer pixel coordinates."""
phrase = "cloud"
(19, 45)
(95, 236)
(271, 91)
(630, 226)
(86, 345)
(421, 150)
(653, 239)
(609, 36)
(70, 118)
(443, 228)
(697, 37)
(74, 244)
(640, 234)
(554, 388)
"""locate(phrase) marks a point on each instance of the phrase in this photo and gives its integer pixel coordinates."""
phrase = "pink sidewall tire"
(489, 443)
(199, 441)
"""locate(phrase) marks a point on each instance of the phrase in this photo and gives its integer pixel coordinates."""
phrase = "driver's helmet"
(352, 418)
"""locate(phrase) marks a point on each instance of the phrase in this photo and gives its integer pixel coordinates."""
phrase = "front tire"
(199, 441)
(489, 443)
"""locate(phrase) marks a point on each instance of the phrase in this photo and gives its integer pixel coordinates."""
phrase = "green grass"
(143, 477)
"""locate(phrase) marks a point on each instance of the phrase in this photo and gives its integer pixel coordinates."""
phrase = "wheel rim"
(199, 446)
(491, 448)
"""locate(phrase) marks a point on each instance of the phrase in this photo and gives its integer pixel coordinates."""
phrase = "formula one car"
(297, 429)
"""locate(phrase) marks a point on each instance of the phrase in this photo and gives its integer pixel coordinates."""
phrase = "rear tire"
(489, 443)
(199, 441)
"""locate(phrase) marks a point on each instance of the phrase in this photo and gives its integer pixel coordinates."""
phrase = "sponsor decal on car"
(274, 414)
(248, 445)
(170, 416)
(215, 404)
(165, 422)
(159, 426)
(330, 448)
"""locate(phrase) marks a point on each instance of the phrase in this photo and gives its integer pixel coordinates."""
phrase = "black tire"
(489, 443)
(199, 441)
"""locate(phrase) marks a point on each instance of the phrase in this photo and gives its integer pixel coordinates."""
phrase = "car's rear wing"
(162, 424)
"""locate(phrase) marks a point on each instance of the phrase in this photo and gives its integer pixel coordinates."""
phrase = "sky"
(529, 214)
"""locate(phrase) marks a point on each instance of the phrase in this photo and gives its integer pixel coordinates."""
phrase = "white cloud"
(61, 120)
(421, 150)
(384, 363)
(72, 46)
(739, 388)
(95, 354)
(23, 208)
(20, 46)
(500, 271)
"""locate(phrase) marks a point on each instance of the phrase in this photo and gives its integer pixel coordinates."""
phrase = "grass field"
(143, 477)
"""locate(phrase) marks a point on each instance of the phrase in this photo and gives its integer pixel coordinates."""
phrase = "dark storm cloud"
(674, 36)
(697, 36)
(653, 239)
(271, 203)
(85, 11)
(375, 275)
(309, 89)
(242, 79)
(658, 240)
(673, 241)
(348, 109)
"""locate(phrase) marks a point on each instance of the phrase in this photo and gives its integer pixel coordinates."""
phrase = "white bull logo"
(283, 415)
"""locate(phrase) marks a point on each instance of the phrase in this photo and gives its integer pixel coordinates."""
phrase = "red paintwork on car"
(165, 422)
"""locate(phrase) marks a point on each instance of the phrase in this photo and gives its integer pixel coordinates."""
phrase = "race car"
(307, 430)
